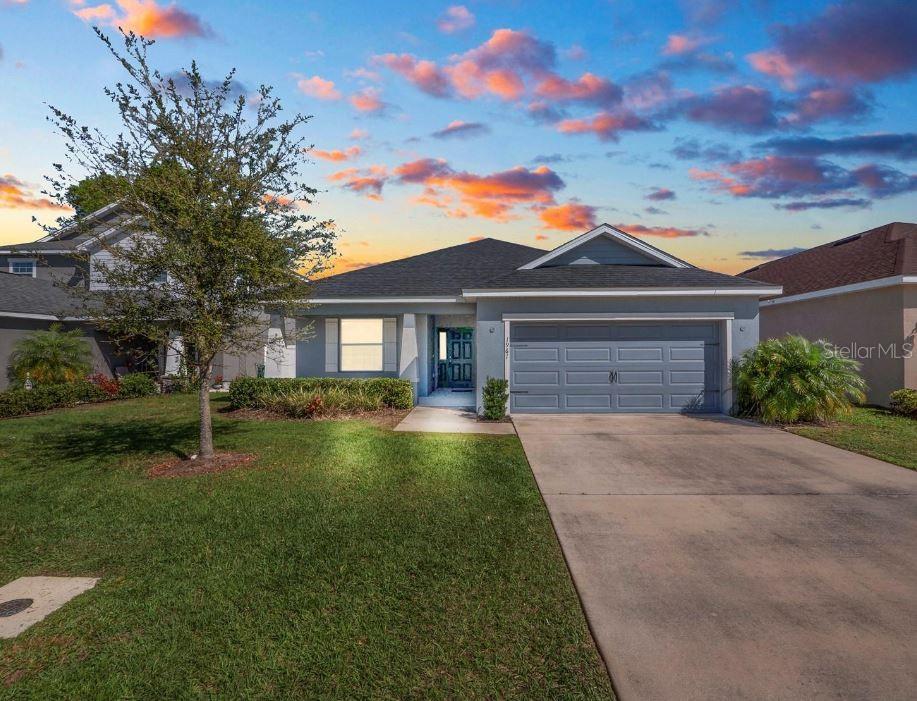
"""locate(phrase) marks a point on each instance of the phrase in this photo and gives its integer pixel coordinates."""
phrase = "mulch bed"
(182, 467)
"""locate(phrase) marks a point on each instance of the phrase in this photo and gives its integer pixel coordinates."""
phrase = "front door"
(455, 364)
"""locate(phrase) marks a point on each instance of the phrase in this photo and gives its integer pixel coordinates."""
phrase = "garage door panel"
(536, 355)
(685, 377)
(653, 378)
(535, 401)
(680, 353)
(528, 377)
(640, 401)
(624, 355)
(656, 367)
(586, 377)
(587, 401)
(587, 355)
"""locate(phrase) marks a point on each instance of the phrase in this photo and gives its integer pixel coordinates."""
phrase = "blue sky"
(715, 129)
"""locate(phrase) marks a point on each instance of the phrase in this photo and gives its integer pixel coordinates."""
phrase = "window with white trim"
(22, 266)
(362, 343)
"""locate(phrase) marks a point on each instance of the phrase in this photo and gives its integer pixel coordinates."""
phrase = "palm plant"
(50, 357)
(790, 379)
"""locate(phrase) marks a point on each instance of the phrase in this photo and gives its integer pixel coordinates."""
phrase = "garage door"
(613, 367)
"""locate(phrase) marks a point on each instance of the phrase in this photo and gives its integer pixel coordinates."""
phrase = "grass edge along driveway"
(349, 561)
(873, 431)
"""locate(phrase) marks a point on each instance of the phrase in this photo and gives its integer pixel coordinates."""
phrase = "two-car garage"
(614, 366)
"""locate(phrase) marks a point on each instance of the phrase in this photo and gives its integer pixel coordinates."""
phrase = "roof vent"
(846, 240)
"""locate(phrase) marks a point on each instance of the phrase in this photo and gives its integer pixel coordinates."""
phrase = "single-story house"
(860, 294)
(603, 323)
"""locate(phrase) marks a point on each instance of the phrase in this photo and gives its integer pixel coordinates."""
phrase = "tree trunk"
(205, 451)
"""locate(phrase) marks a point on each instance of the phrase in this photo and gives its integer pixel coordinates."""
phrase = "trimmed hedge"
(18, 402)
(260, 392)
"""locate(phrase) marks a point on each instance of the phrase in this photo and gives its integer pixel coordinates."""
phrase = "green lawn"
(350, 562)
(877, 433)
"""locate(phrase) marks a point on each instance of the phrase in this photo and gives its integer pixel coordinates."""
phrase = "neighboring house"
(603, 323)
(860, 294)
(29, 304)
(33, 295)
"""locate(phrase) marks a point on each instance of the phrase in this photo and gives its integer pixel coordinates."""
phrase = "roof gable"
(605, 245)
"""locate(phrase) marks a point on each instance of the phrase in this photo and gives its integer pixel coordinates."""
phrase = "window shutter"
(331, 345)
(390, 345)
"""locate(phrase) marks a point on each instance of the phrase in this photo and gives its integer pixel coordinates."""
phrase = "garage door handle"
(613, 377)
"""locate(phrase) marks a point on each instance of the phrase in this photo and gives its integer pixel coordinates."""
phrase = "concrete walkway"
(426, 419)
(722, 560)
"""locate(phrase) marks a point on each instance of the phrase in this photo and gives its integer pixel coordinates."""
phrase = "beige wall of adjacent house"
(875, 326)
(910, 334)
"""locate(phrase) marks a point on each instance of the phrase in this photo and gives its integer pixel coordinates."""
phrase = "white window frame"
(33, 261)
(380, 344)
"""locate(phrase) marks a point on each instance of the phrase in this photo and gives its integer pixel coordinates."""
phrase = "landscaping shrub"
(137, 384)
(16, 402)
(790, 379)
(904, 401)
(109, 385)
(50, 357)
(336, 394)
(96, 388)
(496, 393)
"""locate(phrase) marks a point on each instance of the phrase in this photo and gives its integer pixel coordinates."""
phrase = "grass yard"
(347, 562)
(875, 432)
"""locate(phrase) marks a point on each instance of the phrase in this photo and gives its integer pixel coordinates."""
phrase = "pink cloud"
(774, 64)
(318, 88)
(607, 126)
(588, 88)
(666, 232)
(363, 181)
(455, 19)
(337, 155)
(358, 134)
(827, 103)
(367, 100)
(491, 196)
(147, 18)
(660, 194)
(571, 216)
(742, 108)
(681, 44)
(16, 194)
(425, 75)
(855, 41)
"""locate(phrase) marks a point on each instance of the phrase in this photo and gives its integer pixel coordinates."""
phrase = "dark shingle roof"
(492, 264)
(71, 237)
(608, 276)
(441, 273)
(885, 251)
(21, 294)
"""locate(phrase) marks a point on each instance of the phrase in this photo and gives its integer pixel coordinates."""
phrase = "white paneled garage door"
(614, 367)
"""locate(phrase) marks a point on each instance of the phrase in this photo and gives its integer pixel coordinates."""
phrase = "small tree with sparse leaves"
(210, 198)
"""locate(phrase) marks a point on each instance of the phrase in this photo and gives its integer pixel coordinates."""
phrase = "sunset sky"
(726, 132)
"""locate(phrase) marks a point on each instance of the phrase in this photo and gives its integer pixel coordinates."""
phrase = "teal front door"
(455, 365)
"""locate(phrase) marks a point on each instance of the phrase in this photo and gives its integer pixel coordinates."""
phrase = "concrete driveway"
(721, 560)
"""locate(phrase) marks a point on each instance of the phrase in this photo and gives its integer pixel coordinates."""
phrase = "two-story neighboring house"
(34, 278)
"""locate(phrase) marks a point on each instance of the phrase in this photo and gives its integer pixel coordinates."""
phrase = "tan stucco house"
(860, 294)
